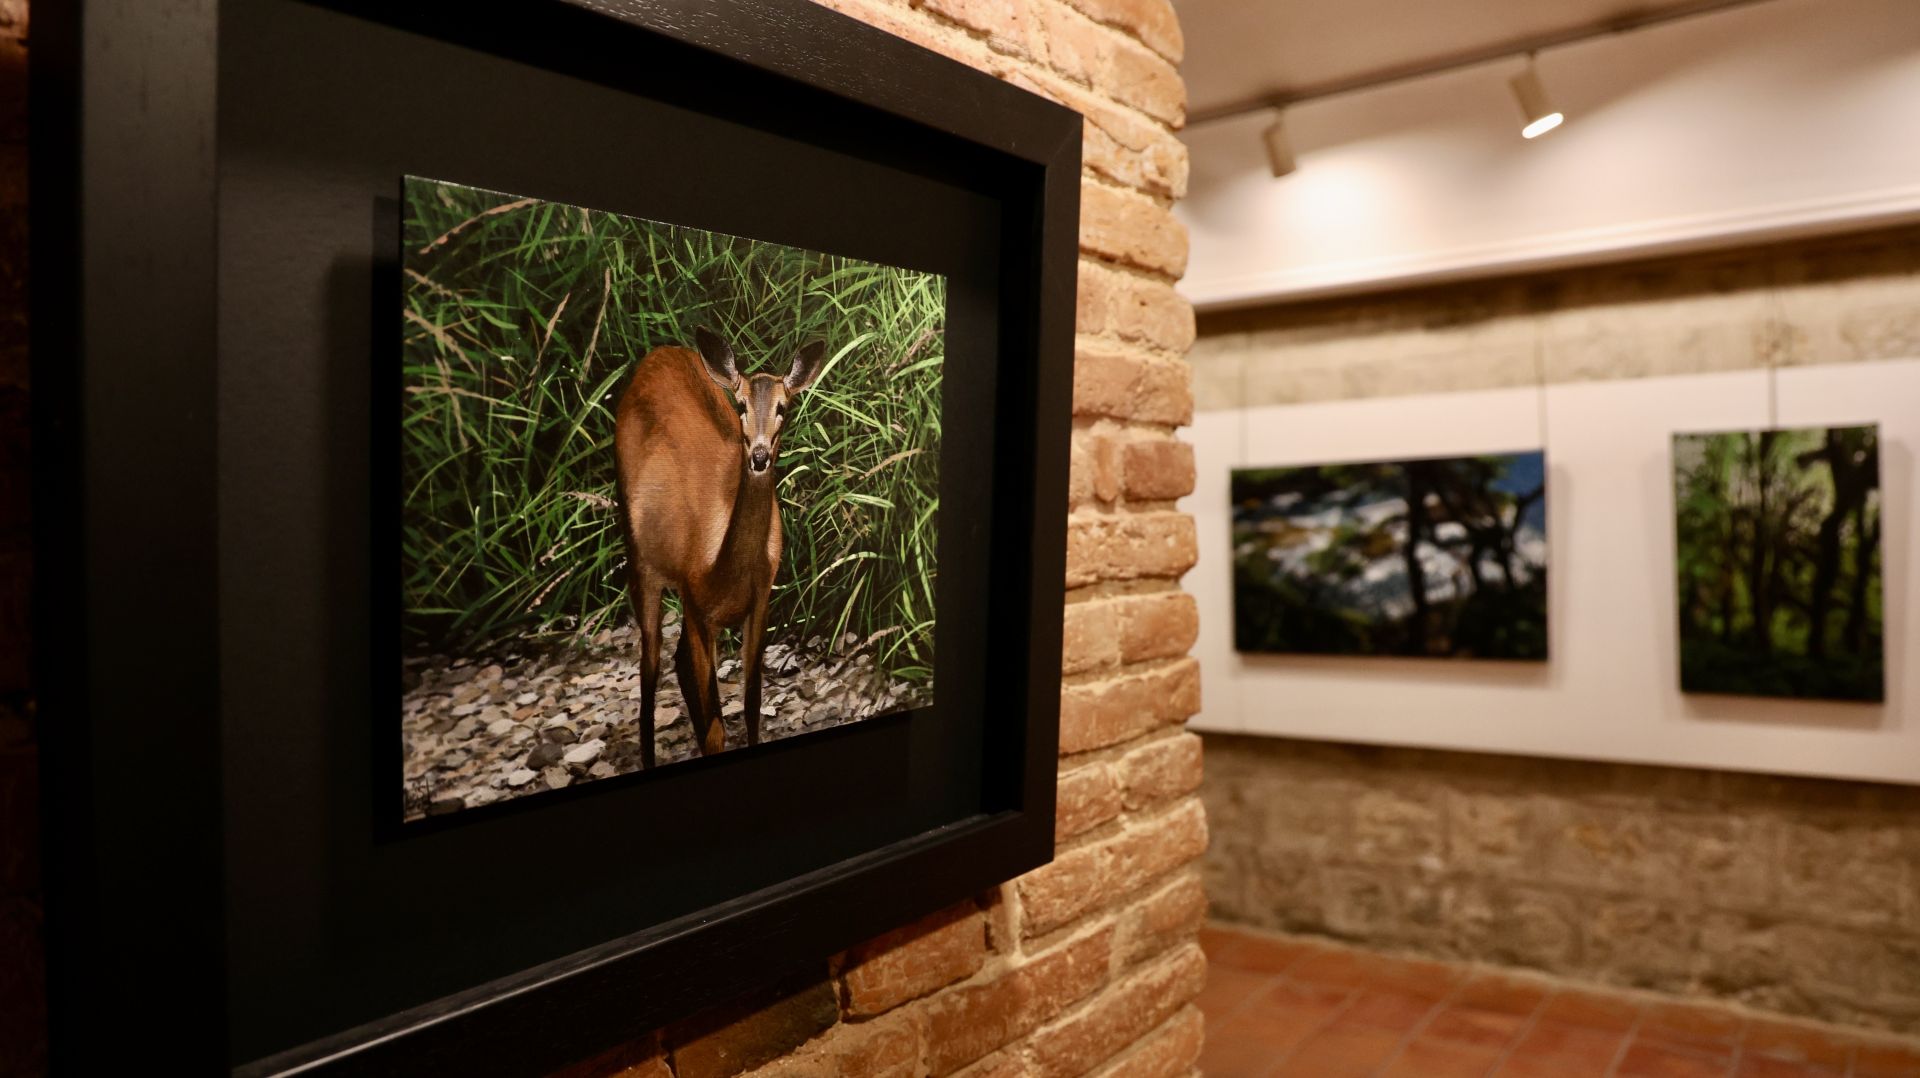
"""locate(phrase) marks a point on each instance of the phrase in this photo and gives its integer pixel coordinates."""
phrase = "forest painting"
(1443, 557)
(665, 492)
(1778, 561)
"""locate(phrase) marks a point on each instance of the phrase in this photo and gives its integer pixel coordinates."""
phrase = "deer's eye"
(780, 410)
(740, 406)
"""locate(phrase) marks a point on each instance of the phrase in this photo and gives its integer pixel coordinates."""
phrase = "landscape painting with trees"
(1444, 558)
(1778, 561)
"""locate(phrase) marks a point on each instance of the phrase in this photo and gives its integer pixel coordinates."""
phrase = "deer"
(696, 442)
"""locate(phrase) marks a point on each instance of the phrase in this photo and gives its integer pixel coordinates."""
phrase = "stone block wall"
(1844, 299)
(1790, 894)
(1088, 965)
(22, 995)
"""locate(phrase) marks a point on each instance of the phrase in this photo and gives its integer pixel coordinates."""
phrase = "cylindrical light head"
(1538, 115)
(1279, 149)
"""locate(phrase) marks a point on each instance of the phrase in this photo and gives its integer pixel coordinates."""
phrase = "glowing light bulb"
(1537, 114)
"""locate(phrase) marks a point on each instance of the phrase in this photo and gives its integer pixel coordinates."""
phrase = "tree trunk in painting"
(1854, 469)
(1417, 528)
(1867, 527)
(1760, 579)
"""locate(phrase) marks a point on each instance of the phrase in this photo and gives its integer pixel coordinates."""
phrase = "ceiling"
(1239, 50)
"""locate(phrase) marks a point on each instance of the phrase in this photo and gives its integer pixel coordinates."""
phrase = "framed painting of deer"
(601, 470)
(602, 500)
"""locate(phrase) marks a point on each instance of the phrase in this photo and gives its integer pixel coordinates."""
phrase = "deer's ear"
(718, 355)
(806, 366)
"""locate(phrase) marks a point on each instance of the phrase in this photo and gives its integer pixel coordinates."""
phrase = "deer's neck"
(744, 551)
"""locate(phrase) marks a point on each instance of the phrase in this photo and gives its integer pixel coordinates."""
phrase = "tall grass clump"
(522, 320)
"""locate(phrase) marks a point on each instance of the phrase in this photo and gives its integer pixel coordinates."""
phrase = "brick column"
(1088, 965)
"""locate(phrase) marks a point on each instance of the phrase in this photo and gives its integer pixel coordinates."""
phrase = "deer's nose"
(759, 458)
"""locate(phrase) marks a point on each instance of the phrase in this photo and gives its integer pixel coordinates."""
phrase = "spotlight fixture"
(1537, 113)
(1279, 149)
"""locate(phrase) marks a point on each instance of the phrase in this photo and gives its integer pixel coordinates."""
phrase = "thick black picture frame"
(136, 568)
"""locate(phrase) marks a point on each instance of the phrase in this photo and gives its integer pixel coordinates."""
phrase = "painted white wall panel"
(1610, 690)
(1216, 438)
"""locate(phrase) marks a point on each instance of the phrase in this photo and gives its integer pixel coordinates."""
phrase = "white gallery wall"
(1782, 118)
(1610, 689)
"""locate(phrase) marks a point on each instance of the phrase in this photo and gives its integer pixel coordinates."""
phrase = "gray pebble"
(585, 753)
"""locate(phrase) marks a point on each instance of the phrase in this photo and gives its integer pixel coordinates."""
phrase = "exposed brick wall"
(22, 992)
(1798, 895)
(1088, 965)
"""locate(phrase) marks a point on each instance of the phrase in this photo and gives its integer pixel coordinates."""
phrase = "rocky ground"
(482, 729)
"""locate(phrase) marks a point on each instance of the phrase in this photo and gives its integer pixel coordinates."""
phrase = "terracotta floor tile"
(1426, 1058)
(1877, 1059)
(1686, 1044)
(1491, 991)
(1348, 969)
(1471, 1025)
(1244, 1047)
(1705, 1019)
(1531, 1067)
(1594, 1010)
(1559, 1050)
(1417, 976)
(1234, 1057)
(1535, 1068)
(1339, 1012)
(1387, 1010)
(1320, 1001)
(1706, 1030)
(1275, 1034)
(1213, 938)
(1763, 1067)
(1259, 954)
(1792, 1042)
(1342, 1052)
(1655, 1061)
(1226, 989)
(1284, 1016)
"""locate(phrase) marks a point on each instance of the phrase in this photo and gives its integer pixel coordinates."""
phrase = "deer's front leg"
(646, 609)
(753, 639)
(693, 661)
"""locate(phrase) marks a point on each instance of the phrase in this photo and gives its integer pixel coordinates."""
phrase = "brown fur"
(700, 518)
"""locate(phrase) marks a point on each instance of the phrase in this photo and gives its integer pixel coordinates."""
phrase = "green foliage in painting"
(1778, 562)
(522, 319)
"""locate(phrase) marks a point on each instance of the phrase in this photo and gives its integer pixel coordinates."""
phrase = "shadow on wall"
(1412, 671)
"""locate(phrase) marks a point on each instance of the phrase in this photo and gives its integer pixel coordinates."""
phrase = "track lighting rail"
(1513, 48)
